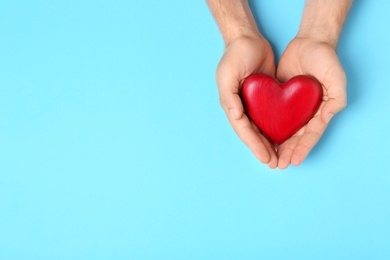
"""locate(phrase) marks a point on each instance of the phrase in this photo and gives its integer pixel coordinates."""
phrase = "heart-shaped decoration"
(280, 109)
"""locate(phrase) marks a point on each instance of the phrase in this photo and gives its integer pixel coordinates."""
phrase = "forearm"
(234, 18)
(324, 20)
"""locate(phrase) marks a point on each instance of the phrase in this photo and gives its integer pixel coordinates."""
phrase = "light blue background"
(113, 144)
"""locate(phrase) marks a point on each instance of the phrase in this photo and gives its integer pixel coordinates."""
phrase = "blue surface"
(113, 144)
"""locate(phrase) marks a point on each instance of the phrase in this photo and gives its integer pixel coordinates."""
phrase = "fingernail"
(328, 117)
(233, 113)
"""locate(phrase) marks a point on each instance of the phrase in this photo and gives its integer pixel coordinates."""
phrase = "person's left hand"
(310, 56)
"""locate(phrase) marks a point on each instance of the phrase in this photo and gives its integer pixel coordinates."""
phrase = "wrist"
(319, 35)
(234, 19)
(243, 35)
(323, 20)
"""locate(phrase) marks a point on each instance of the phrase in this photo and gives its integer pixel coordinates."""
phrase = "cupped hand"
(310, 56)
(244, 56)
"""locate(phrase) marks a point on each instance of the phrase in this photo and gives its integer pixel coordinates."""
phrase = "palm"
(308, 57)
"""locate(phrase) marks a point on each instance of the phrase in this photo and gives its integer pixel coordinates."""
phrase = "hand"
(317, 58)
(244, 56)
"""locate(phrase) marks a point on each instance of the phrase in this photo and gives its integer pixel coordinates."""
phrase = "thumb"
(232, 105)
(229, 89)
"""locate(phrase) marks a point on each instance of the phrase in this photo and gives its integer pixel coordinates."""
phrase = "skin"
(248, 52)
(313, 52)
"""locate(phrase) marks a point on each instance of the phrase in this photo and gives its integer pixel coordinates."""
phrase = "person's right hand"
(245, 55)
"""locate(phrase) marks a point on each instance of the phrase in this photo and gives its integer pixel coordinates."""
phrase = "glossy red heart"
(280, 109)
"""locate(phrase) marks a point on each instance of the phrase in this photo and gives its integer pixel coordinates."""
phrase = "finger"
(273, 162)
(248, 135)
(232, 104)
(229, 90)
(313, 132)
(286, 150)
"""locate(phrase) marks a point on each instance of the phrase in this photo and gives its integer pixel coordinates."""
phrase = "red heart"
(278, 109)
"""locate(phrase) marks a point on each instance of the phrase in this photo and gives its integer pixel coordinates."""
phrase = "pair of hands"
(246, 55)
